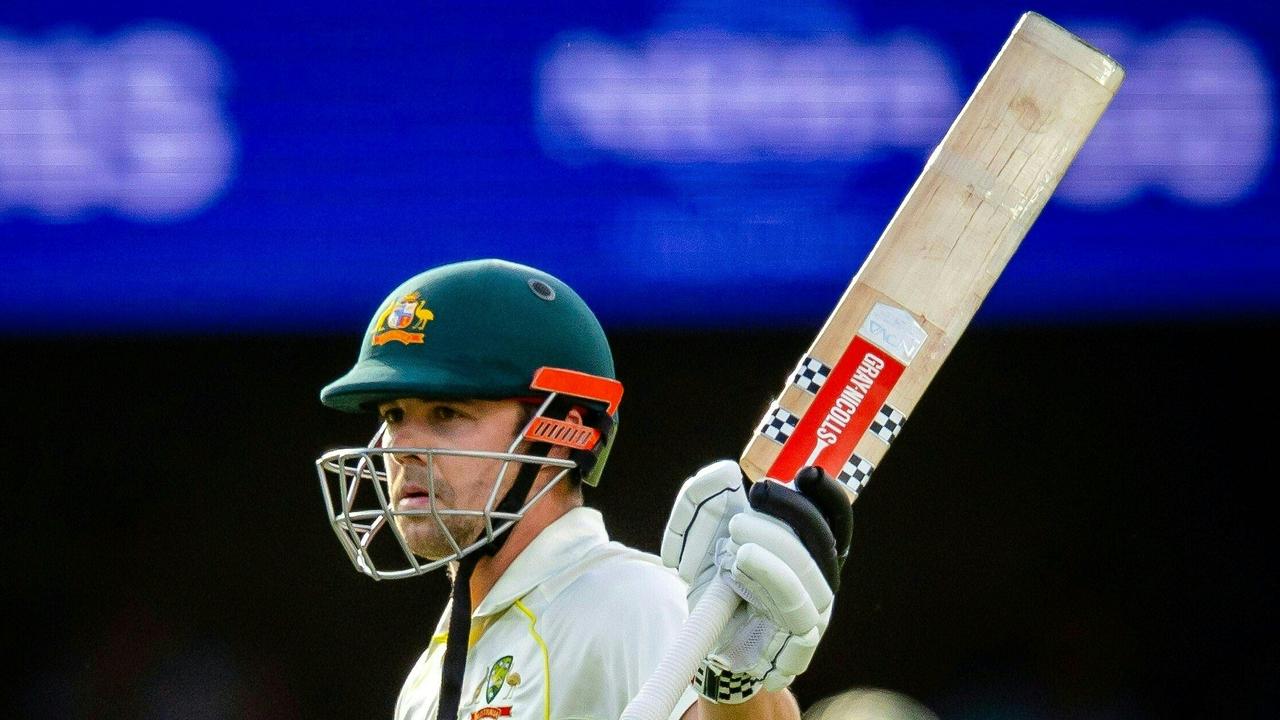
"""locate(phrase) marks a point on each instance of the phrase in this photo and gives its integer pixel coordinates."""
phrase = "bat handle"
(660, 693)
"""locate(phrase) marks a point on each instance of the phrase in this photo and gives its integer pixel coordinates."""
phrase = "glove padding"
(781, 550)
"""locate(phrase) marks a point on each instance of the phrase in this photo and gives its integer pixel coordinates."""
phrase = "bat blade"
(960, 223)
(913, 297)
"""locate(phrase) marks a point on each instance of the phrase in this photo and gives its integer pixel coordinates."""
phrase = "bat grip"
(660, 693)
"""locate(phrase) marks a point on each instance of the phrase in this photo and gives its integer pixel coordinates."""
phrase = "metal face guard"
(357, 497)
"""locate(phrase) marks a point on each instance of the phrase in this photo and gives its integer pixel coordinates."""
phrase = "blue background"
(363, 144)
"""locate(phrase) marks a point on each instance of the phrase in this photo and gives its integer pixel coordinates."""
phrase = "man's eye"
(444, 412)
(391, 416)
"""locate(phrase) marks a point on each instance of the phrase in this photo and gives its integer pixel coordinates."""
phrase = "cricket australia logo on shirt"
(401, 318)
(500, 674)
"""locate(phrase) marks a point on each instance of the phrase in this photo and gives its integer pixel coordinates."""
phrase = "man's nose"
(410, 458)
(410, 435)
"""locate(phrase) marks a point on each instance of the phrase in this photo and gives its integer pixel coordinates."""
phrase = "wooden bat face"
(964, 217)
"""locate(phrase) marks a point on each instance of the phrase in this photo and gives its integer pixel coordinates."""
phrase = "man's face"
(461, 483)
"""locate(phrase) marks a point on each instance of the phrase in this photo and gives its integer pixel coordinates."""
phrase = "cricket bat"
(980, 191)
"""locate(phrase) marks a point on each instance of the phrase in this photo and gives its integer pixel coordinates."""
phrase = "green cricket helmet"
(478, 329)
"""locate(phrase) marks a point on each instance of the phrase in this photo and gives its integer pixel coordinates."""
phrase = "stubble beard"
(427, 540)
(423, 534)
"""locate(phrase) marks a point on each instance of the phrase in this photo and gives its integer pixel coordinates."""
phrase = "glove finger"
(832, 501)
(673, 534)
(802, 516)
(770, 534)
(775, 589)
(700, 515)
(796, 654)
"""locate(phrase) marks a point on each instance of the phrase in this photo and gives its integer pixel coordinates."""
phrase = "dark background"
(1074, 523)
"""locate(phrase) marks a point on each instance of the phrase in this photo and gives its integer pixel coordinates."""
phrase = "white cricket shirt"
(570, 631)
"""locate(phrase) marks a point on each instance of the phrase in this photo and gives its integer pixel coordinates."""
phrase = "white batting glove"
(781, 550)
(699, 520)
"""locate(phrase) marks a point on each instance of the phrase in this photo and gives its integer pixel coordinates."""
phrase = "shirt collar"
(559, 545)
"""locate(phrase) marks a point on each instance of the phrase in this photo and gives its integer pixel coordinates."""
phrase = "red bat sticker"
(842, 411)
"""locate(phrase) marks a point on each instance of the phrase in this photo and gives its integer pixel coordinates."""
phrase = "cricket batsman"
(497, 402)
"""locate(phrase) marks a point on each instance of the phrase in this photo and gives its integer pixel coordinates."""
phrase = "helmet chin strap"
(455, 651)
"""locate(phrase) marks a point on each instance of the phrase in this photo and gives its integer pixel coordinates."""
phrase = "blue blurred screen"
(279, 168)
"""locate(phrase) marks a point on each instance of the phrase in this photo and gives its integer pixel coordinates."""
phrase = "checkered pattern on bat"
(810, 374)
(888, 423)
(855, 474)
(722, 686)
(778, 424)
